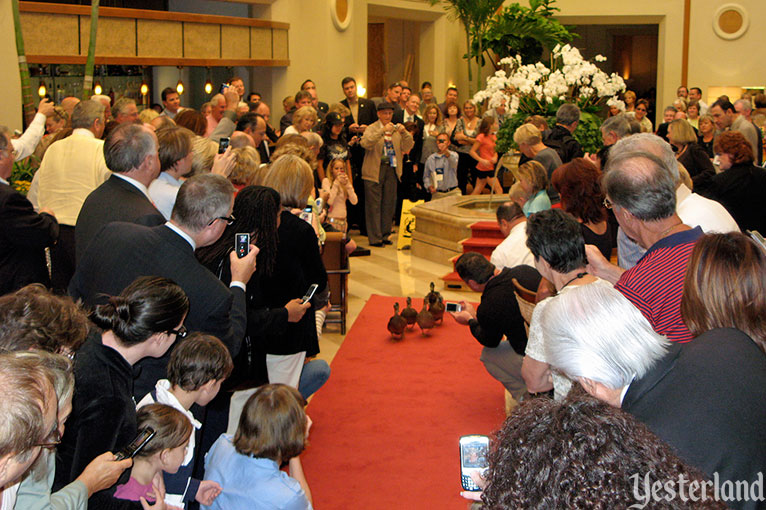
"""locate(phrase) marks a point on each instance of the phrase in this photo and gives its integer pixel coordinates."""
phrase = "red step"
(486, 229)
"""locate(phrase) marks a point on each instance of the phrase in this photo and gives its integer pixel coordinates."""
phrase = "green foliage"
(525, 31)
(22, 173)
(588, 131)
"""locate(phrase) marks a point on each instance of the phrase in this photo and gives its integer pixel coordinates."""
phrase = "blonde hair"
(527, 134)
(330, 174)
(304, 112)
(293, 179)
(535, 174)
(147, 115)
(680, 131)
(246, 163)
(340, 109)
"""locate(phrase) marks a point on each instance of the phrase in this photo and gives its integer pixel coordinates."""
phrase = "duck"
(432, 296)
(397, 323)
(437, 309)
(410, 314)
(425, 319)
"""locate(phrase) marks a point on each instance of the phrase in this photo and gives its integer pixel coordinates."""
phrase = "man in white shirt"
(172, 103)
(695, 94)
(26, 143)
(513, 250)
(175, 152)
(70, 170)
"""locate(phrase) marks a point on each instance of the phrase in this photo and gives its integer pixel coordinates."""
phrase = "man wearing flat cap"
(384, 144)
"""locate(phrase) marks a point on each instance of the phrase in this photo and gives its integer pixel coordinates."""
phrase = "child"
(165, 452)
(440, 175)
(272, 431)
(483, 151)
(196, 370)
(339, 188)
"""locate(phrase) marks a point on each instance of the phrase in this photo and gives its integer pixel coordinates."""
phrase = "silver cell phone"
(242, 244)
(144, 436)
(473, 459)
(453, 307)
(310, 293)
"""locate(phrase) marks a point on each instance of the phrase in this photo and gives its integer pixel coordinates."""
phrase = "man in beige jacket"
(385, 144)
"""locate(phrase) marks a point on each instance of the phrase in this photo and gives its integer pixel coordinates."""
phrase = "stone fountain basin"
(441, 224)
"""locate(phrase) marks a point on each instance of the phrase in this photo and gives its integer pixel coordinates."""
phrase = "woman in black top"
(578, 183)
(689, 153)
(334, 146)
(707, 135)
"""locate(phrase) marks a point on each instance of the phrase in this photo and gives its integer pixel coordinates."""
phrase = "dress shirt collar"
(83, 132)
(135, 183)
(170, 179)
(181, 233)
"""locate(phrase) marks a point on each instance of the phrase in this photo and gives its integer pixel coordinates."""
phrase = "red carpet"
(387, 423)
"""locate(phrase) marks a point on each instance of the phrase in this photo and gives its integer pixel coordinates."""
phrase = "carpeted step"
(486, 229)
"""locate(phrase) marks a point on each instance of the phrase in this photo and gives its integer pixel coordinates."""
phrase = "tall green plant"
(90, 63)
(525, 31)
(26, 88)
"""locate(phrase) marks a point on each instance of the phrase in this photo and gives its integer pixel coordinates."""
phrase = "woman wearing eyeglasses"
(143, 321)
(642, 106)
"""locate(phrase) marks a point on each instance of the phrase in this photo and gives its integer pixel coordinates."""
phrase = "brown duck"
(432, 296)
(410, 314)
(396, 323)
(437, 309)
(425, 319)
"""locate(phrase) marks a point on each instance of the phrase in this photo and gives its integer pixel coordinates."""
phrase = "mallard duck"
(437, 309)
(397, 323)
(425, 319)
(432, 296)
(410, 314)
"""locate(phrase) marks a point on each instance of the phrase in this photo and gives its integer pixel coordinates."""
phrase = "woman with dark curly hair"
(725, 289)
(579, 184)
(582, 453)
(740, 186)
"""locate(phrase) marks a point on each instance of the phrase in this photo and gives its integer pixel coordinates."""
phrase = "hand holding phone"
(310, 293)
(144, 436)
(473, 459)
(223, 144)
(242, 244)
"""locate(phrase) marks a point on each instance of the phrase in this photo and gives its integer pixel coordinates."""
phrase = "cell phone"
(242, 244)
(307, 214)
(223, 88)
(310, 293)
(144, 436)
(223, 144)
(473, 459)
(453, 307)
(319, 203)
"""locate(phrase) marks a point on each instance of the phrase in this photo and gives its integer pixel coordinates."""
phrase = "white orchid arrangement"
(535, 88)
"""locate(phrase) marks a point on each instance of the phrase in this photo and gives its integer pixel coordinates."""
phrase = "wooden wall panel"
(202, 40)
(116, 37)
(235, 41)
(160, 39)
(280, 45)
(260, 42)
(44, 32)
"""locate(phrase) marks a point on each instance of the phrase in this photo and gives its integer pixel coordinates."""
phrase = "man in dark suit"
(320, 106)
(121, 252)
(411, 185)
(363, 113)
(302, 98)
(131, 154)
(704, 398)
(24, 234)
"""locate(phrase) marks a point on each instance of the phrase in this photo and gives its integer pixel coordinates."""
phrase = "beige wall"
(10, 85)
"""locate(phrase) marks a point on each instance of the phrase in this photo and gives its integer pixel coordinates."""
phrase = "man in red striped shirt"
(641, 192)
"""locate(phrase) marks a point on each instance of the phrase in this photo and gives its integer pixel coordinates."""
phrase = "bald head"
(241, 139)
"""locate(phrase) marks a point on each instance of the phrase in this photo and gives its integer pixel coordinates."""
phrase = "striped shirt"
(656, 283)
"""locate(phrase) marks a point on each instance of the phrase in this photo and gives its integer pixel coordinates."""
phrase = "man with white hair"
(130, 152)
(107, 102)
(125, 110)
(744, 108)
(703, 398)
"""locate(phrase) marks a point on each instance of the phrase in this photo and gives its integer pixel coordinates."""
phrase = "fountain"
(441, 224)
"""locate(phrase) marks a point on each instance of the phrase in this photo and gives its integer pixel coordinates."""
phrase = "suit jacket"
(372, 141)
(115, 200)
(367, 112)
(705, 399)
(121, 252)
(417, 149)
(24, 234)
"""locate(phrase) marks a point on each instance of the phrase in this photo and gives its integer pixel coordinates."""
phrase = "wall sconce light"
(97, 89)
(360, 90)
(144, 88)
(42, 90)
(180, 84)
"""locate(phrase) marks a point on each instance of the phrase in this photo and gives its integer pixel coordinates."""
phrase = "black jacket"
(741, 190)
(560, 139)
(24, 234)
(706, 399)
(115, 200)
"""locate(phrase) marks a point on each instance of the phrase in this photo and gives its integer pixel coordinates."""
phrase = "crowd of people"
(142, 298)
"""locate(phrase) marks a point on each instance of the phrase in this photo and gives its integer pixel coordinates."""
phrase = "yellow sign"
(406, 224)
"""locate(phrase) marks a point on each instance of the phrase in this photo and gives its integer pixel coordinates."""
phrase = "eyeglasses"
(442, 140)
(228, 219)
(180, 332)
(608, 203)
(53, 439)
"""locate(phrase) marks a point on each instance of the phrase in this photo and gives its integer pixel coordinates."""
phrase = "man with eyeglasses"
(24, 234)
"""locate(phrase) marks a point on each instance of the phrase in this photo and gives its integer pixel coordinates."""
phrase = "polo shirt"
(656, 283)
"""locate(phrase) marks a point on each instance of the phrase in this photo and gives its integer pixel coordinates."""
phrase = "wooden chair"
(336, 263)
(526, 299)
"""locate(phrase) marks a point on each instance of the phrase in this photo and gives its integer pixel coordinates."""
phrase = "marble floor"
(390, 272)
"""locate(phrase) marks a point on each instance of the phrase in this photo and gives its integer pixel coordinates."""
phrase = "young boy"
(440, 173)
(197, 367)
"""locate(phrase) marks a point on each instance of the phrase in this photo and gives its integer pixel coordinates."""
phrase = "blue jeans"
(314, 374)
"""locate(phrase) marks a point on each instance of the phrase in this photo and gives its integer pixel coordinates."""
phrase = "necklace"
(664, 232)
(579, 275)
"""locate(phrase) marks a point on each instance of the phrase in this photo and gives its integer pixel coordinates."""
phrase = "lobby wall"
(10, 85)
